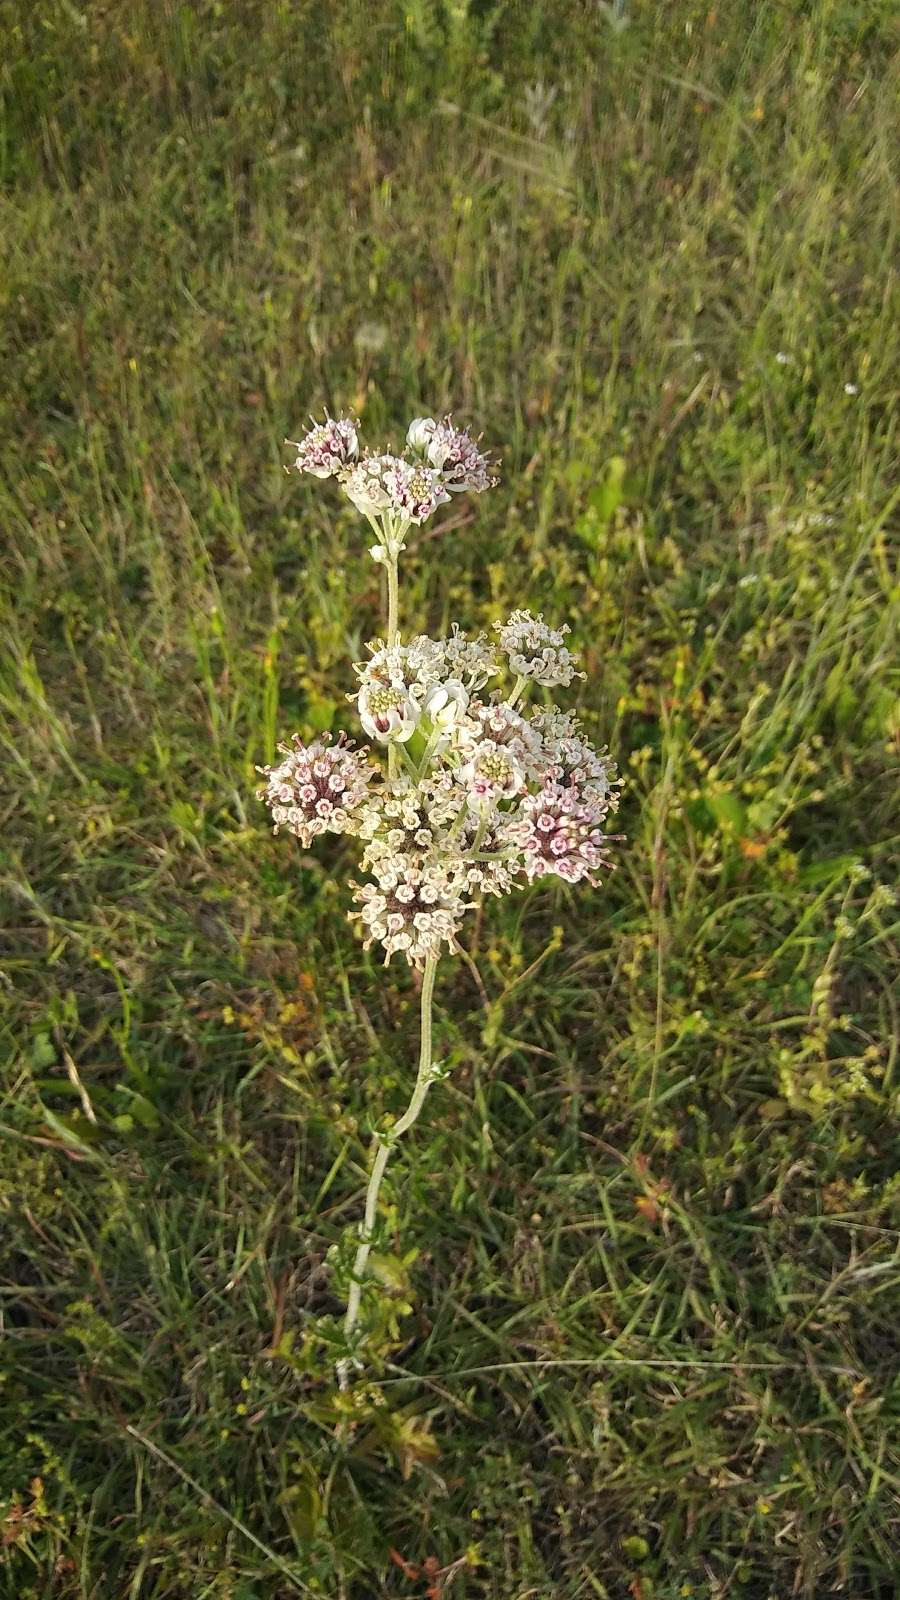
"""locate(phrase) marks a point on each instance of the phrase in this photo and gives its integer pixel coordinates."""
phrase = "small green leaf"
(729, 812)
(141, 1109)
(77, 1133)
(301, 1504)
(43, 1051)
(822, 871)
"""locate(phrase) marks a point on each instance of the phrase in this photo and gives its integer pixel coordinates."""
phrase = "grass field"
(640, 1334)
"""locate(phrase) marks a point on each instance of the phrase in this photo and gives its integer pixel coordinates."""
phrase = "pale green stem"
(518, 686)
(407, 760)
(460, 819)
(393, 588)
(481, 831)
(434, 740)
(382, 1145)
(393, 600)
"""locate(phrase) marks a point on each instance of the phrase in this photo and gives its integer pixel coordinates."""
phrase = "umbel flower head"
(466, 790)
(394, 491)
(536, 651)
(411, 908)
(558, 831)
(452, 452)
(327, 447)
(485, 797)
(317, 788)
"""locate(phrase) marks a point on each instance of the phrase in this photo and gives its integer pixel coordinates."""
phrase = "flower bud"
(445, 703)
(419, 434)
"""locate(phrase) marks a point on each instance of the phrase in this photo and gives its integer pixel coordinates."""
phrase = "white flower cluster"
(536, 651)
(478, 796)
(392, 491)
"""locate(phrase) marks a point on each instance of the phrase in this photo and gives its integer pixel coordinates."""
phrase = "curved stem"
(518, 686)
(382, 1146)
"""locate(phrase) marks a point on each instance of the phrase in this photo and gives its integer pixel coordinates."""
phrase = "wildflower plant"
(464, 789)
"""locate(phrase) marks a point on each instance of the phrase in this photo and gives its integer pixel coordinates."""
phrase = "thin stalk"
(434, 739)
(481, 830)
(393, 616)
(393, 600)
(518, 686)
(382, 1145)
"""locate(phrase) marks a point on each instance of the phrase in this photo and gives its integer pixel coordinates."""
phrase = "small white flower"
(782, 357)
(415, 491)
(387, 711)
(851, 388)
(504, 726)
(366, 484)
(490, 774)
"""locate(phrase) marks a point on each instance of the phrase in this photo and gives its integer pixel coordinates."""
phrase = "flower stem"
(518, 686)
(382, 1145)
(393, 588)
(393, 600)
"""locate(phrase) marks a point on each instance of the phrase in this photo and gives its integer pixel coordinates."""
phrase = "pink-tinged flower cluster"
(396, 491)
(573, 762)
(453, 452)
(318, 788)
(416, 490)
(558, 832)
(467, 790)
(326, 448)
(386, 484)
